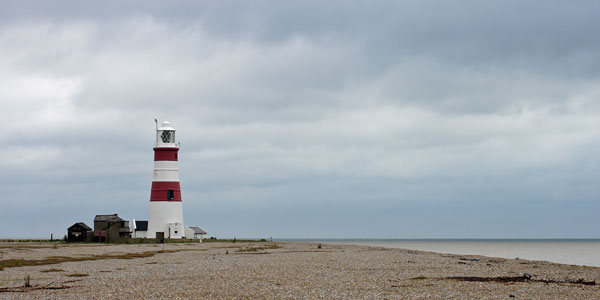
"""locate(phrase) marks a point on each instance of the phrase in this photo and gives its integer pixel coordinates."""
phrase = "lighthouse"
(166, 211)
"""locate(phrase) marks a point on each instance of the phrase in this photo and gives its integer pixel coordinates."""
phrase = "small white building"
(139, 229)
(195, 233)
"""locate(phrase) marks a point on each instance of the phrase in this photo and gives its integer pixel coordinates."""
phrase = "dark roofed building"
(198, 230)
(111, 228)
(141, 225)
(140, 228)
(108, 218)
(79, 232)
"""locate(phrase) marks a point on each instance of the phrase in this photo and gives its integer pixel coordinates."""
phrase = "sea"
(565, 251)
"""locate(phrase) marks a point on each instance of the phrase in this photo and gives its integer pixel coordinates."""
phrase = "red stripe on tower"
(168, 154)
(165, 191)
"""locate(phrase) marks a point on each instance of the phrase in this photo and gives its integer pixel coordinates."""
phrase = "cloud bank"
(406, 120)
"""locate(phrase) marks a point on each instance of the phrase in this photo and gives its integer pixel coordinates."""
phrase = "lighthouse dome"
(166, 125)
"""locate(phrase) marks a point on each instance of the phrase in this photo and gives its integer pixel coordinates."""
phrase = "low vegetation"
(234, 240)
(52, 270)
(29, 241)
(153, 241)
(12, 263)
(77, 275)
(258, 248)
(24, 246)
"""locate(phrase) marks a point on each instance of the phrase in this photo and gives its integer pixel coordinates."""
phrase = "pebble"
(294, 271)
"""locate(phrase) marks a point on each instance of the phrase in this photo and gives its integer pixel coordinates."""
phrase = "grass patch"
(78, 275)
(52, 270)
(215, 240)
(153, 241)
(259, 248)
(31, 241)
(13, 263)
(27, 247)
(182, 241)
(419, 278)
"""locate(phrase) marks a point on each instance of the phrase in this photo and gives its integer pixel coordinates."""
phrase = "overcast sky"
(306, 119)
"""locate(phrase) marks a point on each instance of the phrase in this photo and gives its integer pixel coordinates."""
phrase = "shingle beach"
(286, 270)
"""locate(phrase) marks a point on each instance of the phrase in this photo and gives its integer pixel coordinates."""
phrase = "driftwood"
(22, 289)
(25, 289)
(523, 278)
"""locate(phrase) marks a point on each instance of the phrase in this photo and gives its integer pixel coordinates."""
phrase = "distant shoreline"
(565, 251)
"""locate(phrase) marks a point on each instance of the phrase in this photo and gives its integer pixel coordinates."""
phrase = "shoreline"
(551, 250)
(283, 270)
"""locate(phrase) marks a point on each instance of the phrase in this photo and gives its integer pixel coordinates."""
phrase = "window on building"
(168, 136)
(170, 195)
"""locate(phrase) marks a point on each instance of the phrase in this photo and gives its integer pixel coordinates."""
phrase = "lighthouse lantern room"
(166, 211)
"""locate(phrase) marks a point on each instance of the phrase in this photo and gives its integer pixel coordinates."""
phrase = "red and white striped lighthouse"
(166, 211)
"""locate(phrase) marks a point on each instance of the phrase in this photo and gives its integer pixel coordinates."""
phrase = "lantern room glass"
(168, 136)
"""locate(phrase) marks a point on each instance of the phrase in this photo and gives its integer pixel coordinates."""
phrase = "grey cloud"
(287, 113)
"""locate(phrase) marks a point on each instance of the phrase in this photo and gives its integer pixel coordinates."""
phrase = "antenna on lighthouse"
(156, 123)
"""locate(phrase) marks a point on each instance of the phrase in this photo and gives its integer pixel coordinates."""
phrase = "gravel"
(293, 271)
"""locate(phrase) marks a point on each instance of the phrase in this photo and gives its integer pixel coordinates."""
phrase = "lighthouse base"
(166, 217)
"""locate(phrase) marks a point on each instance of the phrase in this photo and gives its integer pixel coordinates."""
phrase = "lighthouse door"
(160, 237)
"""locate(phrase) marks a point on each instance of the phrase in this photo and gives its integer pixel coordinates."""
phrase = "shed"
(79, 232)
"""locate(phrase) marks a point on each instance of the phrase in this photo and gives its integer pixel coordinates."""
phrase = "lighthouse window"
(168, 136)
(170, 195)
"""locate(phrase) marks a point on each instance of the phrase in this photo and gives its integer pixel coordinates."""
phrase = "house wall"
(113, 230)
(140, 234)
(189, 233)
(175, 231)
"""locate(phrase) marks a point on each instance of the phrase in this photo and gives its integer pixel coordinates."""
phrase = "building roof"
(82, 225)
(198, 230)
(141, 225)
(108, 218)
